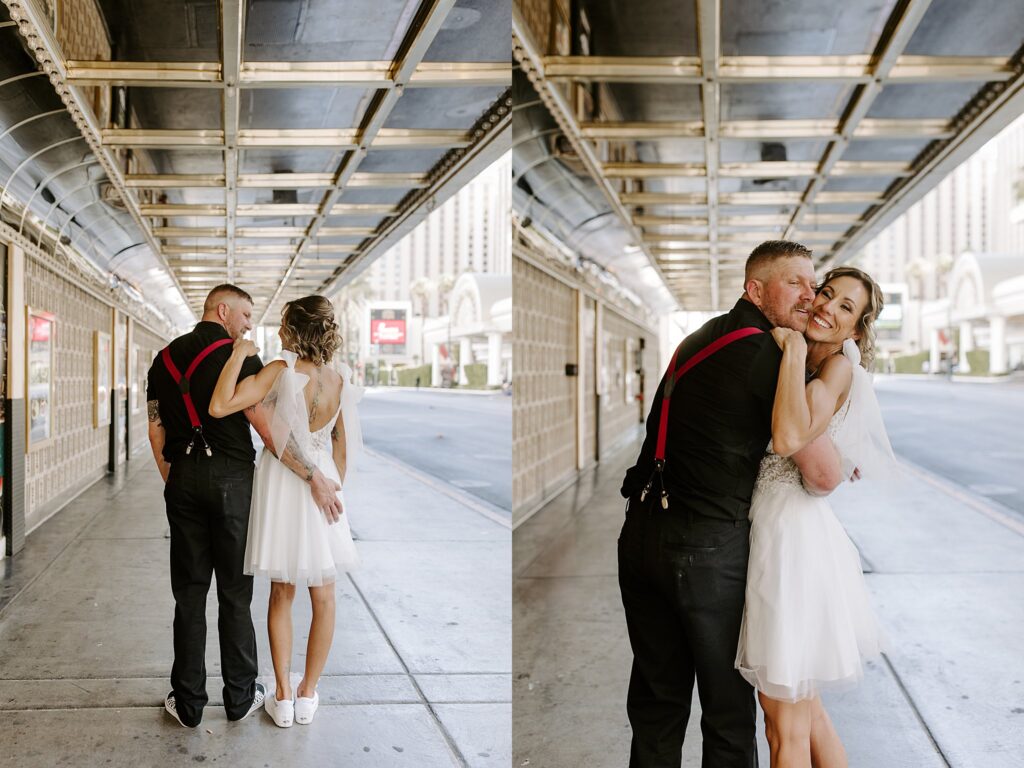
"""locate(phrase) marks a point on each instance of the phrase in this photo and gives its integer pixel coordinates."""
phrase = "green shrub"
(476, 374)
(977, 359)
(910, 363)
(407, 376)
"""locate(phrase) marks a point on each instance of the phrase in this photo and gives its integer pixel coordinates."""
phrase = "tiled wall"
(82, 35)
(588, 373)
(78, 452)
(620, 416)
(544, 398)
(149, 344)
(548, 22)
(548, 326)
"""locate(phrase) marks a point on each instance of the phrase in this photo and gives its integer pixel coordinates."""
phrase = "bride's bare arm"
(819, 466)
(338, 447)
(802, 411)
(230, 395)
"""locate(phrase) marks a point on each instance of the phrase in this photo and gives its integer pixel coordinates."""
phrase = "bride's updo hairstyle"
(309, 330)
(866, 324)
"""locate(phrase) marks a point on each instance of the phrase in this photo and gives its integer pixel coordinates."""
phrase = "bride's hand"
(787, 336)
(246, 346)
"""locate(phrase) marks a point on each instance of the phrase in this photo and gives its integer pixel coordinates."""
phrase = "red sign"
(387, 331)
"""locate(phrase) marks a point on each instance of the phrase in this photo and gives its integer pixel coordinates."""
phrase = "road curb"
(433, 390)
(991, 509)
(492, 512)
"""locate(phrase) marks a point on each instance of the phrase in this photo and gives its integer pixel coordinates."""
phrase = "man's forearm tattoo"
(153, 406)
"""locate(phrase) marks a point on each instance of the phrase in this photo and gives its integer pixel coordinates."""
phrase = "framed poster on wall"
(39, 359)
(101, 378)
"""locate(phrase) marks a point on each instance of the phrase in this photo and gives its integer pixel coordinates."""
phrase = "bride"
(312, 415)
(807, 620)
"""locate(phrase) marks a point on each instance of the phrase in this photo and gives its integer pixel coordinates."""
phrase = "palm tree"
(422, 288)
(445, 283)
(351, 307)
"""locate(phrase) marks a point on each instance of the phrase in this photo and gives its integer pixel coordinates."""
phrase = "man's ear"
(755, 290)
(223, 310)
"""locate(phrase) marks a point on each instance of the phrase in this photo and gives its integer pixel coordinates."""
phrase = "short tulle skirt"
(289, 538)
(808, 623)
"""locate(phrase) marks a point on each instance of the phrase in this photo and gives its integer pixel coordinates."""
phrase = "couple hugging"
(733, 569)
(283, 518)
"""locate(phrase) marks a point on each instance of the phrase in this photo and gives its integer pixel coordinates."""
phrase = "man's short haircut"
(769, 251)
(210, 305)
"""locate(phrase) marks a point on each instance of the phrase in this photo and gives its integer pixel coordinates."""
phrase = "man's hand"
(325, 495)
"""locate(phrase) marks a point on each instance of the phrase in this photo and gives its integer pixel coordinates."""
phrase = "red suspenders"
(672, 377)
(183, 386)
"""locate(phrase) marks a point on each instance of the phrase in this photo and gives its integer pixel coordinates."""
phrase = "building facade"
(950, 266)
(450, 280)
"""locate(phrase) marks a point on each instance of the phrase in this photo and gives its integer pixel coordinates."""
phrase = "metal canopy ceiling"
(280, 145)
(708, 127)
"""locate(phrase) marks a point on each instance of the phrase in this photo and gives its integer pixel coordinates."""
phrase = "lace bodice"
(777, 469)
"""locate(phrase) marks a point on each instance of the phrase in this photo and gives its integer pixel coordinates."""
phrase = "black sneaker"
(172, 709)
(257, 701)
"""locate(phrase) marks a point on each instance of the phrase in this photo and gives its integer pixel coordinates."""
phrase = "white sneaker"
(281, 712)
(172, 709)
(306, 708)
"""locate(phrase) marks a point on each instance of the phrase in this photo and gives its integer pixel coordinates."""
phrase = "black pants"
(208, 511)
(683, 578)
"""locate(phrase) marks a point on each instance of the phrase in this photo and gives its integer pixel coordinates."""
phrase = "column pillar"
(997, 357)
(435, 365)
(14, 429)
(934, 351)
(494, 360)
(465, 353)
(966, 345)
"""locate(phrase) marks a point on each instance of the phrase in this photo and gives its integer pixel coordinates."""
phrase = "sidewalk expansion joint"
(454, 750)
(917, 712)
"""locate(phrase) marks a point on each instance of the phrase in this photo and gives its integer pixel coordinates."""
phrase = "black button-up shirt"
(719, 420)
(229, 436)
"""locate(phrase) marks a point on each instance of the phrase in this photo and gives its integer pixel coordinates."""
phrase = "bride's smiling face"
(837, 310)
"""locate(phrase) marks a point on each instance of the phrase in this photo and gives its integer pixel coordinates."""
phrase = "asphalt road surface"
(970, 434)
(460, 438)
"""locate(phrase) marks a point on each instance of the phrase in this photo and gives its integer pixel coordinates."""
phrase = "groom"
(683, 564)
(207, 467)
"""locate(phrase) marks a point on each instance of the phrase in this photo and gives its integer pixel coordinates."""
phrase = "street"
(967, 433)
(462, 439)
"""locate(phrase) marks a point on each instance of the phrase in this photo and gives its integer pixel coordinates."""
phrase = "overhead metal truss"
(696, 219)
(305, 257)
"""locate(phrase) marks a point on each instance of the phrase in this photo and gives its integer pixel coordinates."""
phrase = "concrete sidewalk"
(419, 673)
(946, 570)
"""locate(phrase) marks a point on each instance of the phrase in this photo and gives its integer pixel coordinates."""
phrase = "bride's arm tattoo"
(292, 455)
(296, 460)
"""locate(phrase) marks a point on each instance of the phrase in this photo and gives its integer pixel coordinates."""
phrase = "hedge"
(476, 374)
(977, 359)
(911, 363)
(407, 376)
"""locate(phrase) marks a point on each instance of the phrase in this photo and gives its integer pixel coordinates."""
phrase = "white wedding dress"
(289, 538)
(808, 621)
